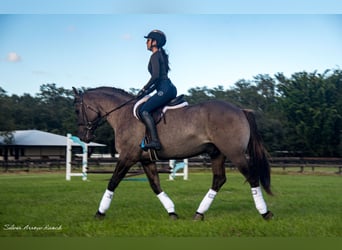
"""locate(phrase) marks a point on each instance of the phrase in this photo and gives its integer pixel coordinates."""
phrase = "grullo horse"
(217, 128)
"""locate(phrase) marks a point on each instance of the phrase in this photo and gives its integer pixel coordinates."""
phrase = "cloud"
(13, 57)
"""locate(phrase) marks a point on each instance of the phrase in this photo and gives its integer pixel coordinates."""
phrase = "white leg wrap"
(106, 200)
(259, 201)
(167, 202)
(206, 202)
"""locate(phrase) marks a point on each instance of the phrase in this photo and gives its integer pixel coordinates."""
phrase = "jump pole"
(178, 166)
(70, 140)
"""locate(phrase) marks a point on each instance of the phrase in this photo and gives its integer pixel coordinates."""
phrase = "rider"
(158, 67)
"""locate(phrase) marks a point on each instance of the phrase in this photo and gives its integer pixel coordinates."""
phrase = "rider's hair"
(166, 59)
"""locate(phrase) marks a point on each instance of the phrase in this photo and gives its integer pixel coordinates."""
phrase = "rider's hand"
(141, 92)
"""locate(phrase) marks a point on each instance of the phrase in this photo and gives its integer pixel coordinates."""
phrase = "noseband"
(89, 125)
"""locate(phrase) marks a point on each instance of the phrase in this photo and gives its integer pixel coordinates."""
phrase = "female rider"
(158, 67)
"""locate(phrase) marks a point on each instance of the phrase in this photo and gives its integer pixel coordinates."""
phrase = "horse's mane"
(111, 91)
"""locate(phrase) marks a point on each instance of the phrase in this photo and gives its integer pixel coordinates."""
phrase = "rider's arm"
(154, 68)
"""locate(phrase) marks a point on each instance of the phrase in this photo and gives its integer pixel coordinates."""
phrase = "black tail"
(258, 161)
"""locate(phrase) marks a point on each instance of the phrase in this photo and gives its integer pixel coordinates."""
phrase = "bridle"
(91, 126)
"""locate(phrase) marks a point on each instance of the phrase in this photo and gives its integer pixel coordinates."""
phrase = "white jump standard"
(178, 166)
(70, 140)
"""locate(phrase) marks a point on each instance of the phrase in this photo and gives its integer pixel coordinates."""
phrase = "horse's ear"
(75, 91)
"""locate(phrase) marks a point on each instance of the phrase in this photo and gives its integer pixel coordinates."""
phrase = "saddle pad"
(138, 103)
(145, 98)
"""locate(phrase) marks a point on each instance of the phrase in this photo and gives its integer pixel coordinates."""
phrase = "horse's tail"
(258, 162)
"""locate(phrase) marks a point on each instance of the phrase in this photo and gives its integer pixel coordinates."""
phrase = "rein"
(118, 107)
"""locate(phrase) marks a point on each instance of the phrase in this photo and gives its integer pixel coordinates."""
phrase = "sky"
(86, 46)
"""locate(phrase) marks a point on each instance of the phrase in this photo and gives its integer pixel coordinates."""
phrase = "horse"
(216, 128)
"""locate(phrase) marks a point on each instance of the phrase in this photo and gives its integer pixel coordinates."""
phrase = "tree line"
(296, 115)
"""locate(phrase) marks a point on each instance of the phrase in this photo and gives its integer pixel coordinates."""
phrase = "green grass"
(46, 205)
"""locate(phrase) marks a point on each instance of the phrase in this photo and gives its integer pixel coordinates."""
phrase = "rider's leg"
(151, 127)
(166, 93)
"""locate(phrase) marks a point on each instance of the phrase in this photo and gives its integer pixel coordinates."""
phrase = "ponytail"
(165, 58)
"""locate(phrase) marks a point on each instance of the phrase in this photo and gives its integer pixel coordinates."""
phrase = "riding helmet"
(157, 35)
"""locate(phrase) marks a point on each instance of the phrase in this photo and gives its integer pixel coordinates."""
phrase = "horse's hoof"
(198, 217)
(173, 216)
(99, 215)
(268, 215)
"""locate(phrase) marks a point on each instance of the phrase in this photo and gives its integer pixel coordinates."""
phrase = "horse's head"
(88, 117)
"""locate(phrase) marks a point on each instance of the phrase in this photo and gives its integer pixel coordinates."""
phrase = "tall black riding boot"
(151, 127)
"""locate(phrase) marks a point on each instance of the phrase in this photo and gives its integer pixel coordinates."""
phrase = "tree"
(310, 102)
(57, 113)
(7, 123)
(198, 95)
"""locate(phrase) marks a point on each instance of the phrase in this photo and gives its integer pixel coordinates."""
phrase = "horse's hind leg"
(151, 171)
(219, 178)
(252, 178)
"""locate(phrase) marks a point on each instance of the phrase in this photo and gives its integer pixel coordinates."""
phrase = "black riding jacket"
(158, 71)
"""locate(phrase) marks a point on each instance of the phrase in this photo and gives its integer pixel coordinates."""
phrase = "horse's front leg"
(120, 171)
(219, 178)
(151, 171)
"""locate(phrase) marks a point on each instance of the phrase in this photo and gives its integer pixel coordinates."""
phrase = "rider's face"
(150, 43)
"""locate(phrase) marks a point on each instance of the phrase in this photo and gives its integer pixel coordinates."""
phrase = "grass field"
(36, 204)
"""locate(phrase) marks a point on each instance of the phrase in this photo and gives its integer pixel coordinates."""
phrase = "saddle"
(157, 115)
(176, 103)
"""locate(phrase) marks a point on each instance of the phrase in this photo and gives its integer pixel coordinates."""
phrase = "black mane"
(111, 90)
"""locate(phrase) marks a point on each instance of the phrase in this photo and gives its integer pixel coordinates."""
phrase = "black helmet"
(157, 35)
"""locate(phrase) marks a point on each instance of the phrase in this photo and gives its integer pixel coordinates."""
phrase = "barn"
(36, 145)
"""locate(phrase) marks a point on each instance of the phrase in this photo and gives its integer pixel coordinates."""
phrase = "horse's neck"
(115, 107)
(106, 103)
